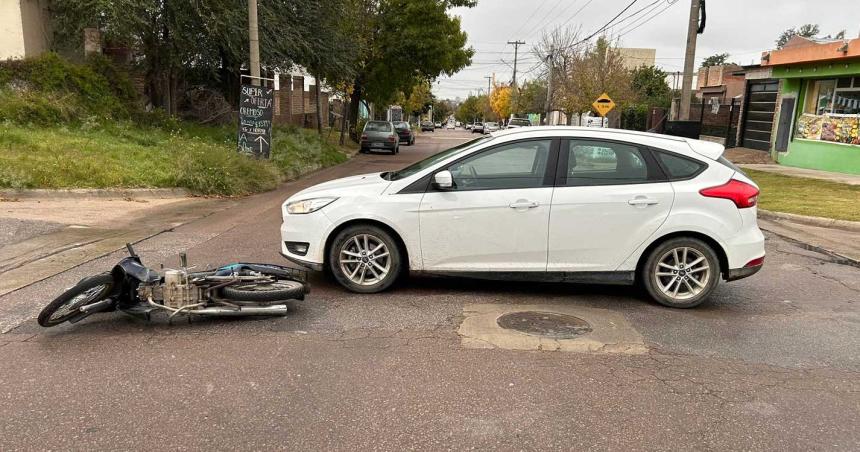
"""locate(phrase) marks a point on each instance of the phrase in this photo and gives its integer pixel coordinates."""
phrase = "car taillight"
(390, 138)
(364, 137)
(741, 193)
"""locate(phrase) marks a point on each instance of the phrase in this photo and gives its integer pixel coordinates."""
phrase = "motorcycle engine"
(177, 291)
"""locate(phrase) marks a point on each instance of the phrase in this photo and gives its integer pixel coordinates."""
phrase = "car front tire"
(365, 259)
(681, 272)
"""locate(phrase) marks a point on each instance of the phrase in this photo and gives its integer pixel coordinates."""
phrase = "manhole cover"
(549, 324)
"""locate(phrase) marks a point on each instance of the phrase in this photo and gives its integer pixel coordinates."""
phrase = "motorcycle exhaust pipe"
(277, 309)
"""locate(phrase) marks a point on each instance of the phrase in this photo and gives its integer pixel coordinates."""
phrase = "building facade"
(24, 27)
(818, 113)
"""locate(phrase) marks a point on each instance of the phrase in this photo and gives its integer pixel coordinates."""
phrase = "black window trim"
(425, 182)
(702, 165)
(656, 172)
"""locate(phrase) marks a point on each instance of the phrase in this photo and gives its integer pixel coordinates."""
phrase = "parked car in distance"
(518, 122)
(458, 124)
(438, 125)
(478, 127)
(449, 126)
(404, 131)
(379, 135)
(427, 126)
(468, 126)
(540, 203)
(490, 127)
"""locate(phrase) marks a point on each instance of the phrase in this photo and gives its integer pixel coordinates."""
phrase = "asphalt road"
(771, 363)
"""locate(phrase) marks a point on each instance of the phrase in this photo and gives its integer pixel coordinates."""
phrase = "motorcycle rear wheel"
(87, 291)
(279, 290)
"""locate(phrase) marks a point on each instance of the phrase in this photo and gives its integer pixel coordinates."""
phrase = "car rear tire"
(681, 272)
(365, 259)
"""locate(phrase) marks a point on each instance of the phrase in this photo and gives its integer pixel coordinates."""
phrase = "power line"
(601, 28)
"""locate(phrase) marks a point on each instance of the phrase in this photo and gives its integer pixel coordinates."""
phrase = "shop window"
(831, 111)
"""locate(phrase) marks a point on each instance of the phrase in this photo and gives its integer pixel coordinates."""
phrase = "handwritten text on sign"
(255, 120)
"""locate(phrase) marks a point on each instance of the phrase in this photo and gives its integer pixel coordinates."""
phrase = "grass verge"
(804, 196)
(122, 154)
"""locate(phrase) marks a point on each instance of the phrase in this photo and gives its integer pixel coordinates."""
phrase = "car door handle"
(643, 201)
(523, 204)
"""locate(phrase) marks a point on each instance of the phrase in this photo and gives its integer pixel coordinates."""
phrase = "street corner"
(548, 328)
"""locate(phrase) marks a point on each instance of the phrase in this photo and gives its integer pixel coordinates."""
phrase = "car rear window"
(401, 125)
(378, 127)
(678, 167)
(520, 122)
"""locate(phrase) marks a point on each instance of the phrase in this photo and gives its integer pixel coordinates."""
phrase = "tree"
(396, 41)
(650, 87)
(206, 42)
(419, 99)
(718, 59)
(532, 96)
(500, 101)
(586, 71)
(471, 109)
(805, 31)
(441, 110)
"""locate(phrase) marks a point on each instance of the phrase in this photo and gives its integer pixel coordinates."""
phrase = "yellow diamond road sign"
(603, 104)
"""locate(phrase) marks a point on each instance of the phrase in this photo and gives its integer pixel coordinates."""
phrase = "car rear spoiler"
(708, 149)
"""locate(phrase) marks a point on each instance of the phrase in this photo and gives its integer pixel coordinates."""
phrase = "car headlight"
(308, 205)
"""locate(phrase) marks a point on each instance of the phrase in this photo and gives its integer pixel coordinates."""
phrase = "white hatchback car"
(540, 203)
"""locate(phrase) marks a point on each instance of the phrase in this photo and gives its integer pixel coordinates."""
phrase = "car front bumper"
(311, 228)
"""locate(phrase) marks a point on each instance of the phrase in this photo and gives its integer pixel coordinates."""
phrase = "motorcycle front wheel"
(278, 290)
(67, 305)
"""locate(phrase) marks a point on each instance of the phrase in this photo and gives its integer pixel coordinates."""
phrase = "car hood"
(353, 185)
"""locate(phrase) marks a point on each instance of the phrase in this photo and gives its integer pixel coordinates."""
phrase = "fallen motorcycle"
(240, 289)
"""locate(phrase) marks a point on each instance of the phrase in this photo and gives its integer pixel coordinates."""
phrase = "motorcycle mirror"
(130, 250)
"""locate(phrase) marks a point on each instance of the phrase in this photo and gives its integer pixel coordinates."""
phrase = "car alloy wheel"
(365, 260)
(682, 273)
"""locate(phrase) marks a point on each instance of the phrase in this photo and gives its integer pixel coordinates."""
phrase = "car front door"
(609, 198)
(495, 216)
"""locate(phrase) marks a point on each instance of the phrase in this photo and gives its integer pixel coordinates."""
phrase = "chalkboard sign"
(255, 120)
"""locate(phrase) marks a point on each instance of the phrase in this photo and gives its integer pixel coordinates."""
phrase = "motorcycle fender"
(131, 267)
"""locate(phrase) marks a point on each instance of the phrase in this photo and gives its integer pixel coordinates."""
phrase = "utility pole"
(689, 60)
(516, 45)
(489, 79)
(254, 39)
(549, 61)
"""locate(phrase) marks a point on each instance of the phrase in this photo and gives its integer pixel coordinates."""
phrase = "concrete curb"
(853, 226)
(101, 193)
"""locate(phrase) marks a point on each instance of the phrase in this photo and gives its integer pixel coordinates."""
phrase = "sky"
(743, 28)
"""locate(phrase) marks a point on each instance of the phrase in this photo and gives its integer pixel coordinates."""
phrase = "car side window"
(515, 165)
(605, 163)
(679, 167)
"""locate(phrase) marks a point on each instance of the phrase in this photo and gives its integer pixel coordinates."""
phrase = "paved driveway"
(771, 363)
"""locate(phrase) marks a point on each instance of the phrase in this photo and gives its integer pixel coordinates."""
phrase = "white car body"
(600, 230)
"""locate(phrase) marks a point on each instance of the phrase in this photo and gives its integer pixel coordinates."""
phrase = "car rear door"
(495, 217)
(610, 197)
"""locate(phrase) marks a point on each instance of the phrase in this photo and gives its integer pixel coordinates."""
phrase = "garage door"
(758, 117)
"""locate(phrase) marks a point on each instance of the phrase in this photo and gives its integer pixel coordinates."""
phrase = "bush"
(49, 89)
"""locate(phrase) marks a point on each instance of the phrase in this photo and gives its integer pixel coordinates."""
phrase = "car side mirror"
(443, 180)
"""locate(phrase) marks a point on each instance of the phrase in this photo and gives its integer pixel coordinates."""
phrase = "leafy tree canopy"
(649, 84)
(718, 59)
(805, 30)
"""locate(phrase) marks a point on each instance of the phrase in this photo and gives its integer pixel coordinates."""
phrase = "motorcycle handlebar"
(130, 250)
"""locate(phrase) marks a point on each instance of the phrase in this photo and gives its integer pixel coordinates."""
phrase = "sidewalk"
(45, 233)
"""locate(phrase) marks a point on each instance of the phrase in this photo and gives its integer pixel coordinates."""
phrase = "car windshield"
(401, 125)
(433, 159)
(520, 122)
(378, 126)
(491, 124)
